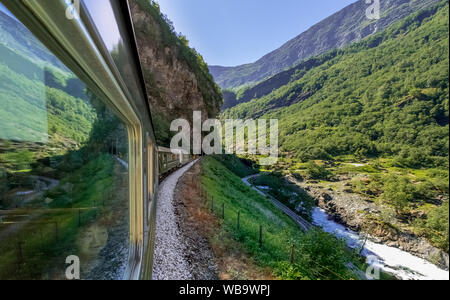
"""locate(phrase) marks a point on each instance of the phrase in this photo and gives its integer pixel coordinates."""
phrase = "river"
(390, 259)
(401, 264)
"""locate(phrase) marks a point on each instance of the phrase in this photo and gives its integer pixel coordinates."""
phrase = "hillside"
(387, 95)
(342, 28)
(32, 111)
(365, 130)
(318, 255)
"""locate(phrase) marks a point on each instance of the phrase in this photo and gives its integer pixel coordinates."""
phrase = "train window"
(64, 183)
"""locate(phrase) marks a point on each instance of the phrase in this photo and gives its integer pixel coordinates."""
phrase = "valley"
(364, 134)
(361, 180)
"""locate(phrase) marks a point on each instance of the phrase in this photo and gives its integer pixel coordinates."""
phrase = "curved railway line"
(301, 222)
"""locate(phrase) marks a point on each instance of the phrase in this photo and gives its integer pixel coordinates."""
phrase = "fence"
(291, 252)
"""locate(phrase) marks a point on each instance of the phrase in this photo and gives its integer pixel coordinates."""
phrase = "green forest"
(386, 96)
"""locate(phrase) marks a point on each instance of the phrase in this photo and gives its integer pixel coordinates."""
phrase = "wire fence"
(288, 252)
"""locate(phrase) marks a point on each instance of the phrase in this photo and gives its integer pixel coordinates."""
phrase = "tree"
(398, 192)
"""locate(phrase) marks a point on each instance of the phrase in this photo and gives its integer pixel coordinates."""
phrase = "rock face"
(342, 28)
(351, 210)
(176, 81)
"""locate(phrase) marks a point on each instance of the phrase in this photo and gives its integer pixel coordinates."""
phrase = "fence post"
(79, 218)
(260, 236)
(239, 220)
(223, 211)
(212, 205)
(292, 254)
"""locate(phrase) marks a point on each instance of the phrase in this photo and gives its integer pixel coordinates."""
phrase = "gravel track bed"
(169, 259)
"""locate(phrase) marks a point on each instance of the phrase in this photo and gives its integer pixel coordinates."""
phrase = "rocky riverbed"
(351, 210)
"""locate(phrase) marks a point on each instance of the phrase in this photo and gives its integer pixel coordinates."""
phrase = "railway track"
(301, 222)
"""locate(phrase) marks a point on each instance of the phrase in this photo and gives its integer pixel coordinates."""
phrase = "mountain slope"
(39, 95)
(344, 27)
(16, 36)
(385, 96)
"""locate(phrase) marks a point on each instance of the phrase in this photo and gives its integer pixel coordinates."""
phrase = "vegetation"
(317, 171)
(318, 255)
(239, 166)
(416, 200)
(436, 226)
(290, 195)
(386, 96)
(372, 117)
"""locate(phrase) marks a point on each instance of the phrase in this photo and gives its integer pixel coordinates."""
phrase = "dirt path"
(210, 251)
(196, 225)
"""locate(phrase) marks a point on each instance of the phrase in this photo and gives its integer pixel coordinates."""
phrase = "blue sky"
(5, 10)
(234, 32)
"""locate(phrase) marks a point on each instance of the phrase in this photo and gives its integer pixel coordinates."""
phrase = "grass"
(290, 195)
(318, 255)
(239, 166)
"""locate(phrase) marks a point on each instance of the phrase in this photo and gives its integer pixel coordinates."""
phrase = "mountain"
(39, 94)
(339, 30)
(16, 36)
(384, 96)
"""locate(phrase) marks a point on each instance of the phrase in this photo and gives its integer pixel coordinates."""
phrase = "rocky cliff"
(177, 79)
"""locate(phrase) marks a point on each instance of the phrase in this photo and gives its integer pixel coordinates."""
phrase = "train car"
(79, 162)
(171, 159)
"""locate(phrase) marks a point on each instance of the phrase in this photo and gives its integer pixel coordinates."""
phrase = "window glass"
(63, 168)
(108, 20)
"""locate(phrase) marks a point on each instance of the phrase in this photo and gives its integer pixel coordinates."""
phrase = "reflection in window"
(63, 167)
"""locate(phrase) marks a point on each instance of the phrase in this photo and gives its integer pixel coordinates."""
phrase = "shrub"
(317, 171)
